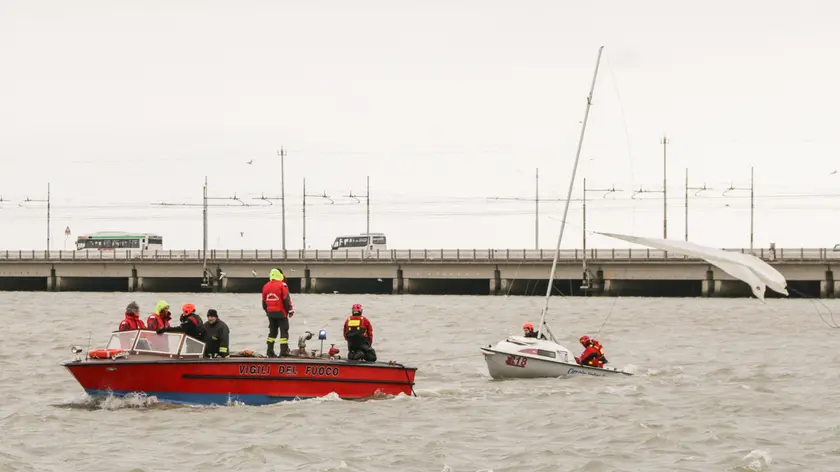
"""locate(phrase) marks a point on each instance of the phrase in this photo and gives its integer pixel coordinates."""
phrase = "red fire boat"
(172, 367)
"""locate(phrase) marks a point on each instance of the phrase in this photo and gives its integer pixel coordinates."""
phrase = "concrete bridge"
(617, 272)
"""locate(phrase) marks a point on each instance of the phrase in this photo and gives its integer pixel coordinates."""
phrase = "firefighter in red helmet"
(529, 332)
(593, 353)
(359, 335)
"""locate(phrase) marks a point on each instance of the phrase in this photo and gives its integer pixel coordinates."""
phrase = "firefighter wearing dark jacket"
(278, 307)
(359, 335)
(216, 335)
(191, 324)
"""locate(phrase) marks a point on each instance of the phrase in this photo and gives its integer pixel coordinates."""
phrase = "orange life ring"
(103, 353)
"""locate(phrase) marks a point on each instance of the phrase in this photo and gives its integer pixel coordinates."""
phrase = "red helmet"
(357, 309)
(188, 308)
(528, 326)
(585, 340)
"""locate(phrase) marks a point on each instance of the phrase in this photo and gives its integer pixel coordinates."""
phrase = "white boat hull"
(527, 358)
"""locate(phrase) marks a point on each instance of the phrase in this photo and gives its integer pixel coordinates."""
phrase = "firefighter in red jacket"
(278, 307)
(593, 353)
(132, 318)
(160, 318)
(359, 335)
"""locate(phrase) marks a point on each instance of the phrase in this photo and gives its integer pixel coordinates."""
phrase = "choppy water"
(721, 385)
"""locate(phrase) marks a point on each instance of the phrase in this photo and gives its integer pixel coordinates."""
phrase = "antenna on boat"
(568, 198)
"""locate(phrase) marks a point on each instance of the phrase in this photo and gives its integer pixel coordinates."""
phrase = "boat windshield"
(122, 340)
(149, 342)
(153, 343)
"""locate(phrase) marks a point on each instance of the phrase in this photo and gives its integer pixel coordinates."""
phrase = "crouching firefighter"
(359, 335)
(593, 353)
(278, 308)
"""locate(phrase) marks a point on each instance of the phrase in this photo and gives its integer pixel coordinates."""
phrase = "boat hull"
(252, 381)
(505, 365)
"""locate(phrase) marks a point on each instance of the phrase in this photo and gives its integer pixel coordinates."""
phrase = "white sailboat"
(521, 357)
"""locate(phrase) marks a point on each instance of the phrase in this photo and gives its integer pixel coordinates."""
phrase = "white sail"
(746, 267)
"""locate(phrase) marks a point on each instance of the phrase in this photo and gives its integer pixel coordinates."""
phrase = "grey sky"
(443, 104)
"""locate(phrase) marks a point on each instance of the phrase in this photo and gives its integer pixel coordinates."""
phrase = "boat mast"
(569, 196)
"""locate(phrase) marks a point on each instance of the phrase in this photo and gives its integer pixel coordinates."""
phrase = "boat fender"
(104, 353)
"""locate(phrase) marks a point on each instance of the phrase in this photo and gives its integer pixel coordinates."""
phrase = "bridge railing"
(398, 255)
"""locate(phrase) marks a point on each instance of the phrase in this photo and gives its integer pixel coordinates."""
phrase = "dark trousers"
(359, 349)
(277, 321)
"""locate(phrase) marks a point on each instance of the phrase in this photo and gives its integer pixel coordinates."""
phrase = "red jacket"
(156, 321)
(275, 298)
(591, 356)
(359, 324)
(131, 321)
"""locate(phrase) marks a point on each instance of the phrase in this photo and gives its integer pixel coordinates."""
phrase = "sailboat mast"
(569, 194)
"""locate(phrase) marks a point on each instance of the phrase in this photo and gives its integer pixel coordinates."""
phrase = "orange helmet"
(188, 308)
(585, 340)
(528, 326)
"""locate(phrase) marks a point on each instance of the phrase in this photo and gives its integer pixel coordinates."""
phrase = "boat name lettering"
(580, 371)
(516, 361)
(324, 370)
(263, 369)
(287, 370)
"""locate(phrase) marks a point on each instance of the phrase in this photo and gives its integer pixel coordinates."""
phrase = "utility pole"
(586, 275)
(536, 201)
(205, 219)
(282, 154)
(665, 187)
(537, 211)
(752, 203)
(687, 188)
(323, 195)
(367, 180)
(47, 201)
(369, 242)
(204, 225)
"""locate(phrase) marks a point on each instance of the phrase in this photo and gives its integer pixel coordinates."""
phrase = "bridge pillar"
(132, 281)
(138, 284)
(707, 286)
(836, 291)
(397, 286)
(305, 282)
(222, 285)
(827, 285)
(53, 282)
(496, 282)
(313, 284)
(730, 288)
(611, 287)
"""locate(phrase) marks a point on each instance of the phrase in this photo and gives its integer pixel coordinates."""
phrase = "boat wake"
(137, 401)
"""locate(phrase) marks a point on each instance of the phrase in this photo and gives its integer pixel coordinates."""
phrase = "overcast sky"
(443, 104)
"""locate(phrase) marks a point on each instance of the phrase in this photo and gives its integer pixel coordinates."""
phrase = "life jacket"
(592, 356)
(274, 292)
(357, 326)
(156, 321)
(600, 349)
(131, 322)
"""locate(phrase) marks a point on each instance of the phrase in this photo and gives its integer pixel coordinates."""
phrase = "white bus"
(360, 242)
(112, 240)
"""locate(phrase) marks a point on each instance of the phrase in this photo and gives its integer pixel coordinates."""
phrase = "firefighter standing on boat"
(278, 308)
